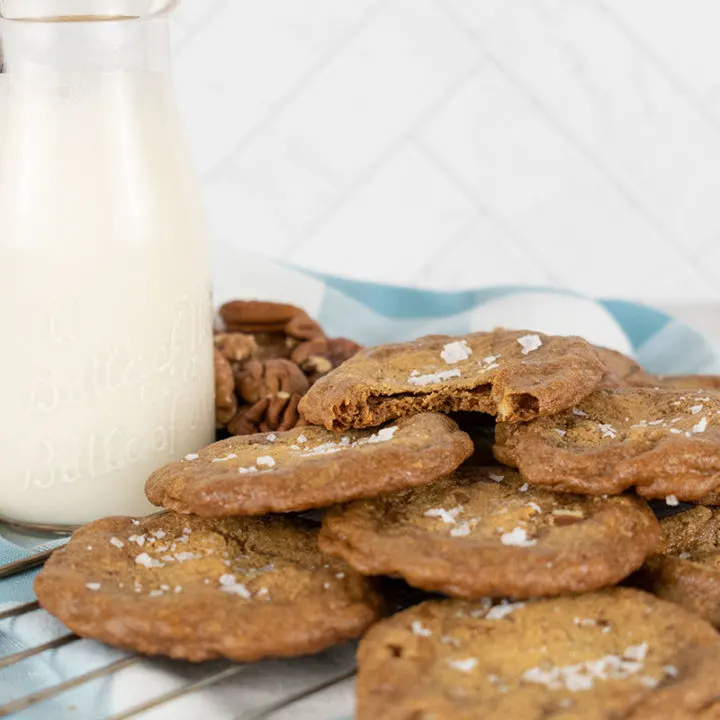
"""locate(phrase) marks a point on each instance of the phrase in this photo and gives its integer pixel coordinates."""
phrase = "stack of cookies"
(508, 471)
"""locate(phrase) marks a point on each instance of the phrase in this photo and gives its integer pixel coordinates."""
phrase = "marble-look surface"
(463, 143)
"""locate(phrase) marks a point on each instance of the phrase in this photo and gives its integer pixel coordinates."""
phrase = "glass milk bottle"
(105, 305)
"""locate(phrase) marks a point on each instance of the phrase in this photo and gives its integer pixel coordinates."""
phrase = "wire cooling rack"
(199, 680)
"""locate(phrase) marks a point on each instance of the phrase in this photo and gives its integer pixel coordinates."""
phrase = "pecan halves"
(303, 327)
(318, 357)
(235, 346)
(257, 379)
(274, 413)
(252, 316)
(226, 403)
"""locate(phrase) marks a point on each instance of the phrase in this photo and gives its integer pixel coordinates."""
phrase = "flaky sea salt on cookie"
(618, 653)
(665, 443)
(483, 532)
(516, 375)
(309, 467)
(196, 589)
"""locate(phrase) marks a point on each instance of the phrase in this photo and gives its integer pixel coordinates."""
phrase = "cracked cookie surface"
(515, 375)
(665, 443)
(309, 467)
(618, 653)
(485, 532)
(196, 589)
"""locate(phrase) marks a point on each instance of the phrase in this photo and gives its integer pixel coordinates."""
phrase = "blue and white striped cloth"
(370, 314)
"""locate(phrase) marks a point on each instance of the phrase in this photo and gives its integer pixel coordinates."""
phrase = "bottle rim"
(80, 11)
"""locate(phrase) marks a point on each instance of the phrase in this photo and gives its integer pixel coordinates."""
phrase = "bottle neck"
(92, 46)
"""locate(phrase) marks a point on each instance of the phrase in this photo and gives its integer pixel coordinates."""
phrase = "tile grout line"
(366, 176)
(286, 99)
(482, 210)
(668, 75)
(671, 78)
(669, 236)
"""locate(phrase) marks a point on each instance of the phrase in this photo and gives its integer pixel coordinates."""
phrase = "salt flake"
(265, 461)
(432, 378)
(93, 586)
(672, 501)
(447, 516)
(498, 612)
(517, 538)
(419, 629)
(701, 426)
(146, 561)
(456, 352)
(191, 456)
(462, 530)
(529, 343)
(117, 542)
(463, 665)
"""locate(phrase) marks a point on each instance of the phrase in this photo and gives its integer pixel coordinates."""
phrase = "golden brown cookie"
(196, 589)
(665, 443)
(614, 654)
(679, 382)
(516, 375)
(621, 369)
(309, 467)
(484, 532)
(687, 569)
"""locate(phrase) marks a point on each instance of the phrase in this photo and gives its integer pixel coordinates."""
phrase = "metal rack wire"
(45, 694)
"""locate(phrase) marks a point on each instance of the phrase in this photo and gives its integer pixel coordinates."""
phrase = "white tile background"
(461, 143)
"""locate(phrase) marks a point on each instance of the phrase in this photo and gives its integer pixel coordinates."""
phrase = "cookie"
(621, 370)
(687, 569)
(197, 589)
(680, 382)
(666, 443)
(484, 532)
(309, 467)
(515, 375)
(618, 653)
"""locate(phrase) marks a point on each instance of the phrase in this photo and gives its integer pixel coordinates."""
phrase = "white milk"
(105, 307)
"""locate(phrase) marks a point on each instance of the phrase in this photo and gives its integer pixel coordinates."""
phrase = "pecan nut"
(257, 379)
(318, 357)
(275, 413)
(236, 347)
(303, 327)
(226, 403)
(252, 316)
